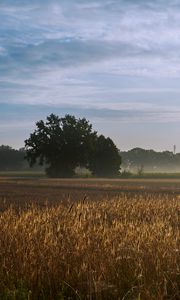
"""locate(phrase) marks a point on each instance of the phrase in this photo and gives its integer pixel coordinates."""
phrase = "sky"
(115, 62)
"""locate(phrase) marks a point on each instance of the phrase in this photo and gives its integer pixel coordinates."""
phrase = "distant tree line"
(141, 160)
(11, 159)
(61, 145)
(134, 160)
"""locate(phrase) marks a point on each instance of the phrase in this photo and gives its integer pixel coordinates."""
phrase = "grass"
(124, 175)
(148, 175)
(119, 247)
(24, 174)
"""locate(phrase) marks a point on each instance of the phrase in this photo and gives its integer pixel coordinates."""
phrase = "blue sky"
(115, 62)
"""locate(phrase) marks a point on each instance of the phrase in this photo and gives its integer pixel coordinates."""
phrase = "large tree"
(61, 144)
(105, 160)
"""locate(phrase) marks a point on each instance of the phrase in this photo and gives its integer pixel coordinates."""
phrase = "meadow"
(89, 239)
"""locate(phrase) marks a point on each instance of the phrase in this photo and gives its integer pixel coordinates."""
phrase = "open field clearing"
(89, 239)
(21, 191)
(116, 185)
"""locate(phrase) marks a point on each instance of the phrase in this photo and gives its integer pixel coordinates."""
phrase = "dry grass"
(120, 248)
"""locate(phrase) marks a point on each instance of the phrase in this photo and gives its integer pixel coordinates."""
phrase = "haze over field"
(114, 62)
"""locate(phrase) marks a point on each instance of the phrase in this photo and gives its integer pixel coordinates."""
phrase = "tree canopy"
(105, 159)
(62, 144)
(10, 159)
(150, 160)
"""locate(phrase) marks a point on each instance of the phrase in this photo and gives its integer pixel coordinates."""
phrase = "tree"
(105, 160)
(61, 144)
(10, 159)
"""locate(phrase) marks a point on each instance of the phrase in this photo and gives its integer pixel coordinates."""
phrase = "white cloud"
(60, 52)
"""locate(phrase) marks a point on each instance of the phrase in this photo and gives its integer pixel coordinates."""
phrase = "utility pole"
(174, 152)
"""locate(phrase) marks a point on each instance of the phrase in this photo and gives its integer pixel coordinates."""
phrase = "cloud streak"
(112, 60)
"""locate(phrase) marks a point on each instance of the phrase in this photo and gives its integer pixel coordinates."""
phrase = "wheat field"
(119, 247)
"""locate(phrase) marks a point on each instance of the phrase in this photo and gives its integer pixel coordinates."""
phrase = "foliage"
(106, 159)
(159, 164)
(152, 161)
(10, 159)
(140, 171)
(63, 144)
(126, 174)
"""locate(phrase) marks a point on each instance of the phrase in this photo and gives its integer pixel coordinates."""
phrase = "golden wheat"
(120, 248)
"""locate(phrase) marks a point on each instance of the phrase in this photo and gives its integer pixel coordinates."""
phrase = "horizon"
(125, 150)
(114, 62)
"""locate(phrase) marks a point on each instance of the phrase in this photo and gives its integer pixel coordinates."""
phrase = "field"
(89, 239)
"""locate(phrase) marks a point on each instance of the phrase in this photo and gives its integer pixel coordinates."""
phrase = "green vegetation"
(63, 144)
(11, 159)
(136, 163)
(32, 174)
(84, 174)
(150, 161)
(128, 174)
